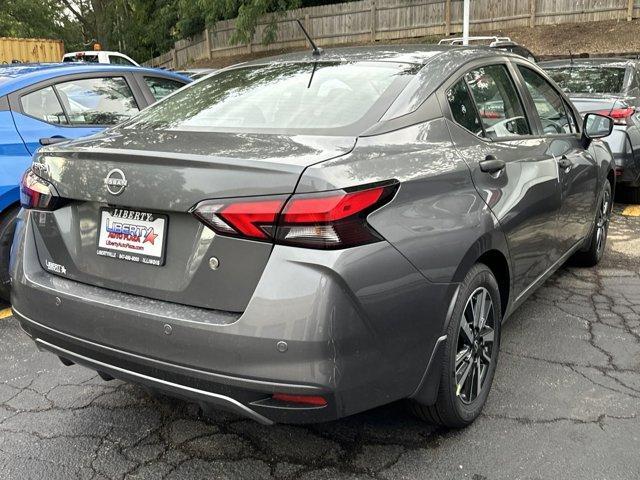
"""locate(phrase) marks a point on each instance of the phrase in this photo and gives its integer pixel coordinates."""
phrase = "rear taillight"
(37, 193)
(619, 115)
(254, 217)
(325, 220)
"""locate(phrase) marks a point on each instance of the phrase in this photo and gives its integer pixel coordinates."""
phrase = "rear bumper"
(360, 327)
(237, 395)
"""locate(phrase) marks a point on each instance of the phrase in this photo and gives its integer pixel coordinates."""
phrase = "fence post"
(207, 42)
(307, 25)
(447, 18)
(174, 58)
(630, 5)
(374, 21)
(532, 13)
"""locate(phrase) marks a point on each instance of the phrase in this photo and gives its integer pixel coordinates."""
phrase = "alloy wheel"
(475, 345)
(602, 222)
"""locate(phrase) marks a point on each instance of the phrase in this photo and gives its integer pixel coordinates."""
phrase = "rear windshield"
(589, 79)
(283, 98)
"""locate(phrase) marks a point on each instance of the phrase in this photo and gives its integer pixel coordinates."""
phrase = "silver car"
(609, 86)
(306, 237)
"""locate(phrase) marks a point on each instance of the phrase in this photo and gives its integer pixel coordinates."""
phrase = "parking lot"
(564, 405)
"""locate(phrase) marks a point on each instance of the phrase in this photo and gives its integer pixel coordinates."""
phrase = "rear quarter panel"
(437, 216)
(437, 221)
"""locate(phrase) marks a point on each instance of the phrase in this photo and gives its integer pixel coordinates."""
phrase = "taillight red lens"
(37, 193)
(253, 218)
(321, 207)
(619, 115)
(326, 220)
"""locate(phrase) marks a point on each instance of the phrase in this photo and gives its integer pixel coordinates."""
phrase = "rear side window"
(549, 104)
(161, 87)
(43, 104)
(499, 106)
(97, 101)
(118, 60)
(462, 108)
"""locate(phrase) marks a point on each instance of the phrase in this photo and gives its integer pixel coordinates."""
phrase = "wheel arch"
(8, 200)
(492, 250)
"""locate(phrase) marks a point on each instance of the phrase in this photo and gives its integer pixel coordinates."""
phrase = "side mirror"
(596, 126)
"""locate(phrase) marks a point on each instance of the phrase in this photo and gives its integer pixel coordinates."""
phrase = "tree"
(247, 14)
(139, 28)
(24, 19)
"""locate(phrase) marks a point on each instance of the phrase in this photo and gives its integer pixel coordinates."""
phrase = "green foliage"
(248, 12)
(139, 28)
(42, 19)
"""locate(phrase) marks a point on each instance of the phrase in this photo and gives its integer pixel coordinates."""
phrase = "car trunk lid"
(166, 174)
(598, 102)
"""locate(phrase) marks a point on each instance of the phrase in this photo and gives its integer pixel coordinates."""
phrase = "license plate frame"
(115, 239)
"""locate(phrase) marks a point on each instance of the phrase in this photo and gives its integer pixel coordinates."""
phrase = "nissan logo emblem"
(116, 182)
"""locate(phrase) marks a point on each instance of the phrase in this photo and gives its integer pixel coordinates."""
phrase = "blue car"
(41, 104)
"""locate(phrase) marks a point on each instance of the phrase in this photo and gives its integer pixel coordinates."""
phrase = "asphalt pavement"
(564, 405)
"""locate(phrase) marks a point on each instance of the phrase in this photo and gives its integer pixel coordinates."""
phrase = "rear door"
(74, 106)
(577, 168)
(491, 125)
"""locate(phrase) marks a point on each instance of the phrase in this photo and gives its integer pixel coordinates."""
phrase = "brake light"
(37, 193)
(255, 218)
(325, 220)
(619, 115)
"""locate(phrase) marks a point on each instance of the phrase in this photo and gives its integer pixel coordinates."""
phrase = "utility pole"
(465, 22)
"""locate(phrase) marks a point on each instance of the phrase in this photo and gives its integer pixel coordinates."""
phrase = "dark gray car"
(302, 238)
(609, 86)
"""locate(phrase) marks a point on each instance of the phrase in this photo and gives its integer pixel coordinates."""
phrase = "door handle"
(564, 162)
(52, 140)
(492, 165)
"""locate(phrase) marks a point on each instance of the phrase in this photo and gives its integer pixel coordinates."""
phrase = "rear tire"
(470, 353)
(598, 239)
(7, 228)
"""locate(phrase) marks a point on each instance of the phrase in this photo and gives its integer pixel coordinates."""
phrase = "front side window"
(548, 102)
(500, 109)
(290, 97)
(589, 79)
(462, 108)
(97, 101)
(43, 104)
(161, 87)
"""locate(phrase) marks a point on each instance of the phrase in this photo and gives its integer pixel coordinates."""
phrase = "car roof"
(586, 62)
(19, 75)
(419, 54)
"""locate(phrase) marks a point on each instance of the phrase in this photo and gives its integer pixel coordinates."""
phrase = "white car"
(92, 56)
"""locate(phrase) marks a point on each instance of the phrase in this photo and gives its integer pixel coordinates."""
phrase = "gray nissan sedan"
(305, 237)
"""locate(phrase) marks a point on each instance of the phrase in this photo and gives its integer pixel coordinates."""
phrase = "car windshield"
(283, 98)
(588, 79)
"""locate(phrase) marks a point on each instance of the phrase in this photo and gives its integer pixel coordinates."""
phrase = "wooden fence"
(383, 20)
(30, 50)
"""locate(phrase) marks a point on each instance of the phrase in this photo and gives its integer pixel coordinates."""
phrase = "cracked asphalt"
(564, 405)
